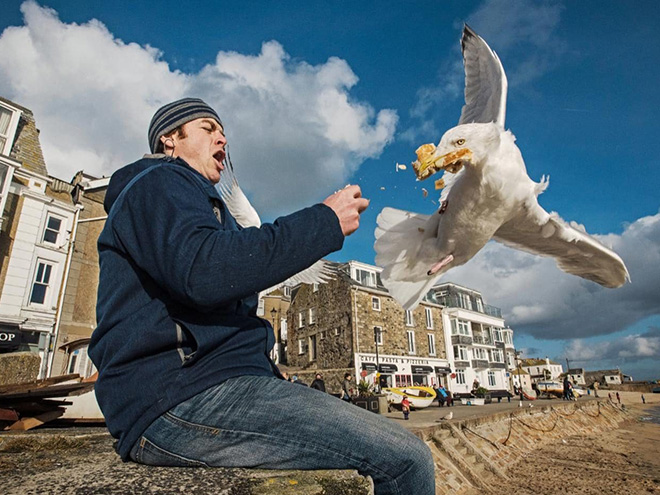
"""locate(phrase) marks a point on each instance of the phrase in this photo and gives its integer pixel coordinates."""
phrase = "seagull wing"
(485, 82)
(246, 216)
(237, 203)
(576, 252)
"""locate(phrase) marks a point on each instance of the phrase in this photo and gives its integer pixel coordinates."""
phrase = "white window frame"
(261, 307)
(50, 215)
(491, 379)
(286, 290)
(460, 327)
(337, 331)
(497, 334)
(411, 342)
(429, 318)
(379, 334)
(461, 353)
(480, 353)
(312, 316)
(410, 322)
(375, 303)
(301, 347)
(365, 277)
(10, 133)
(431, 339)
(50, 283)
(460, 377)
(301, 319)
(315, 287)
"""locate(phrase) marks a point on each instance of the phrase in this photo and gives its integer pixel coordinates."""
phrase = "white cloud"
(295, 133)
(627, 349)
(538, 298)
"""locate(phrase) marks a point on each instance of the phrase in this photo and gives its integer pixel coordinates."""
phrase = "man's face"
(203, 147)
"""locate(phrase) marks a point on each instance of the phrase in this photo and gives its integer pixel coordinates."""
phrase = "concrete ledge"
(81, 461)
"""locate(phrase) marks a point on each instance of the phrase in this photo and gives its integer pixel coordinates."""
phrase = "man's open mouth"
(428, 164)
(219, 156)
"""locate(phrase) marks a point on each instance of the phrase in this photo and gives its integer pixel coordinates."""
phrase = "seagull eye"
(460, 142)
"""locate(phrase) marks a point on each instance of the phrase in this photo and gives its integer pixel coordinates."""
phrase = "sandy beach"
(625, 460)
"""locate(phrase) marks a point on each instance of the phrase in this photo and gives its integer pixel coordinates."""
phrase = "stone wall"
(474, 454)
(332, 329)
(333, 378)
(19, 367)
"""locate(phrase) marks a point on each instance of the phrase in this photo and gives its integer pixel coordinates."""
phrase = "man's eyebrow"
(212, 122)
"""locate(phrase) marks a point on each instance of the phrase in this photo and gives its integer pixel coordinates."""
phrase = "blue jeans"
(264, 422)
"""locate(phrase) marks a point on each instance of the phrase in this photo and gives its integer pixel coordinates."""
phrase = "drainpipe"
(67, 269)
(355, 325)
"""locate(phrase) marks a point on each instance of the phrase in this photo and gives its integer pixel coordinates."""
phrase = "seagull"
(486, 194)
(246, 216)
(447, 416)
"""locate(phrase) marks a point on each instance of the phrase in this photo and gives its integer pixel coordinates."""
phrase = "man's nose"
(221, 139)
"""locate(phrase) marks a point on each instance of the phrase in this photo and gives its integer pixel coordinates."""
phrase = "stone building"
(37, 220)
(273, 306)
(603, 377)
(77, 319)
(352, 323)
(541, 369)
(480, 348)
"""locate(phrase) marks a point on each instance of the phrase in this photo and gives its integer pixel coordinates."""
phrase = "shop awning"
(421, 370)
(388, 368)
(440, 370)
(369, 366)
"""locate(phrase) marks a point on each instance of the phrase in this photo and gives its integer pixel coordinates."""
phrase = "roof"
(26, 147)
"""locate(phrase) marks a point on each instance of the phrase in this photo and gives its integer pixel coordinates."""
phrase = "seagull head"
(463, 145)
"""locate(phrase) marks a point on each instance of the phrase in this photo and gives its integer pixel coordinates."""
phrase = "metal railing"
(453, 301)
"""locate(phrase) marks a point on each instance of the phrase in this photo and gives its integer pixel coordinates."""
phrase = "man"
(347, 388)
(185, 377)
(318, 383)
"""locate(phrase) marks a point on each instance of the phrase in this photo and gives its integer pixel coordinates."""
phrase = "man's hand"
(348, 204)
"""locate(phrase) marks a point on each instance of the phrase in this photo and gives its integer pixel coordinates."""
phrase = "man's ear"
(168, 143)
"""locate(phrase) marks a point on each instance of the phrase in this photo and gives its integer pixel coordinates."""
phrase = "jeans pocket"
(146, 452)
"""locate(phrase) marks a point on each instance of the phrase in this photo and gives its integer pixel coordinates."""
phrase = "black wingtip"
(468, 33)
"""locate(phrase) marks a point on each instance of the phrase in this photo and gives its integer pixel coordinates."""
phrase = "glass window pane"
(38, 293)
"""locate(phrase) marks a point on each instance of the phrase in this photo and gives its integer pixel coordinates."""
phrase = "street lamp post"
(376, 339)
(273, 316)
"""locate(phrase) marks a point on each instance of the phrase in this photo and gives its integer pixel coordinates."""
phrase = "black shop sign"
(9, 339)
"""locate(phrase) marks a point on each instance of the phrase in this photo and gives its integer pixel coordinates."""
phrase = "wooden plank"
(33, 422)
(62, 390)
(38, 384)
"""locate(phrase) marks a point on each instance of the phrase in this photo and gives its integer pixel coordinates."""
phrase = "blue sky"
(315, 95)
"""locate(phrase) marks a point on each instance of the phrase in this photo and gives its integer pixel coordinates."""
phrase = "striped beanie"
(175, 114)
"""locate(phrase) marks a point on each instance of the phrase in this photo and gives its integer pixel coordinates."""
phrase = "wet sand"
(625, 460)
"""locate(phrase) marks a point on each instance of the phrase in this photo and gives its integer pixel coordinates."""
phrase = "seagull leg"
(443, 262)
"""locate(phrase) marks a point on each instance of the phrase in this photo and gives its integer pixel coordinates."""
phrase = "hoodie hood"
(122, 177)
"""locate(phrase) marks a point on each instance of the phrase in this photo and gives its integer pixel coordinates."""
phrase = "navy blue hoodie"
(178, 289)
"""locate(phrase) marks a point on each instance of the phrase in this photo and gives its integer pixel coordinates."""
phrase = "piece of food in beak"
(440, 183)
(427, 164)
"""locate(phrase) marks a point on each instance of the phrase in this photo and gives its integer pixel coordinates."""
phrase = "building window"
(431, 338)
(460, 327)
(337, 331)
(378, 335)
(479, 353)
(403, 380)
(312, 316)
(480, 305)
(497, 334)
(465, 301)
(286, 290)
(460, 353)
(260, 308)
(41, 281)
(375, 303)
(411, 342)
(496, 356)
(460, 377)
(491, 378)
(315, 287)
(323, 334)
(429, 318)
(52, 229)
(312, 348)
(409, 318)
(301, 319)
(365, 277)
(301, 346)
(8, 122)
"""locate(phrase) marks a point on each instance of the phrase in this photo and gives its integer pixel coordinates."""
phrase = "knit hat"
(175, 114)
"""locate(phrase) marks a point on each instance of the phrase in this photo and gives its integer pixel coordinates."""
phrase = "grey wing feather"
(485, 82)
(245, 214)
(237, 203)
(576, 252)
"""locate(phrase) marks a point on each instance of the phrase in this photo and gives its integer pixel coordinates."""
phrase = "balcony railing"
(453, 301)
(482, 339)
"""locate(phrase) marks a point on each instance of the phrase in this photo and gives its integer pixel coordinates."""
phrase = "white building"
(541, 369)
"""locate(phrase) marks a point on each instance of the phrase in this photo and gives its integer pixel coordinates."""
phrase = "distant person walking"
(643, 399)
(405, 407)
(596, 389)
(618, 398)
(318, 383)
(347, 387)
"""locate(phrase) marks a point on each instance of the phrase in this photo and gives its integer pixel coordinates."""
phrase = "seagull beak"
(429, 162)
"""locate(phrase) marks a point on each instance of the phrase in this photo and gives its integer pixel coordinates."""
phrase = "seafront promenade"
(482, 449)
